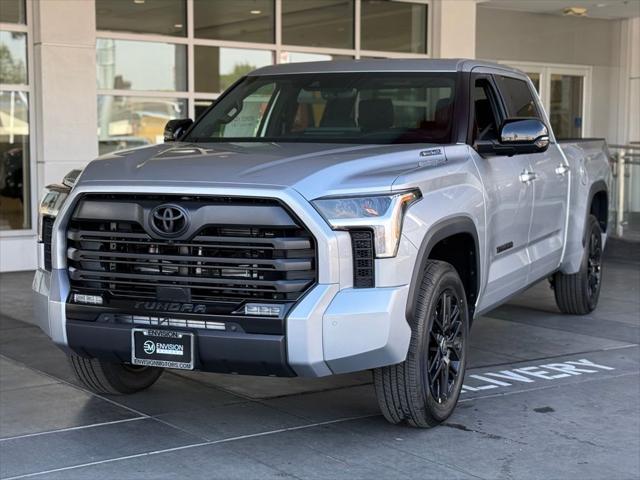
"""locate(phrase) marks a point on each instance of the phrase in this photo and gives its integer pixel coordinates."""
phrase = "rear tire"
(578, 293)
(424, 389)
(113, 378)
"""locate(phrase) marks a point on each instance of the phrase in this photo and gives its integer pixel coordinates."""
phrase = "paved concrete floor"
(526, 412)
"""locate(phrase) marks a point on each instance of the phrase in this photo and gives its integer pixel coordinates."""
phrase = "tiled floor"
(512, 421)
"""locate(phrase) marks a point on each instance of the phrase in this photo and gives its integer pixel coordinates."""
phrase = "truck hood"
(313, 169)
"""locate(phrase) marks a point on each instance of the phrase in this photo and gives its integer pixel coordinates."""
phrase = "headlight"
(381, 213)
(53, 198)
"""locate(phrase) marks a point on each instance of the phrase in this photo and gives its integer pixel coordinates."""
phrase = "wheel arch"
(597, 205)
(452, 228)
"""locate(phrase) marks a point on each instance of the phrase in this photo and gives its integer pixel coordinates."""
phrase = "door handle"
(527, 176)
(562, 169)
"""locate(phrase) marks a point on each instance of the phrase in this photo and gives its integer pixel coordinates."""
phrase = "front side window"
(518, 97)
(338, 107)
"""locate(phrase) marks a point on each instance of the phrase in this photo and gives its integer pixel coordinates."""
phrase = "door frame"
(545, 70)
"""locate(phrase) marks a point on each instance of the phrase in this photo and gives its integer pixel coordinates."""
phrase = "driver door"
(509, 201)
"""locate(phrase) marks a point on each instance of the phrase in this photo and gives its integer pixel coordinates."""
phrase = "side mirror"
(526, 135)
(517, 136)
(176, 128)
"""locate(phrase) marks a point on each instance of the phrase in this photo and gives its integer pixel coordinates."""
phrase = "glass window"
(131, 65)
(13, 11)
(294, 57)
(237, 20)
(485, 123)
(394, 26)
(13, 58)
(566, 106)
(217, 68)
(535, 79)
(165, 17)
(14, 161)
(200, 106)
(318, 23)
(335, 107)
(125, 122)
(518, 97)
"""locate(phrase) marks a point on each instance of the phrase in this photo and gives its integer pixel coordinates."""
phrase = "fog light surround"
(263, 309)
(88, 299)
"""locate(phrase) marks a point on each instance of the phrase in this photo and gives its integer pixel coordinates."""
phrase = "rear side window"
(518, 97)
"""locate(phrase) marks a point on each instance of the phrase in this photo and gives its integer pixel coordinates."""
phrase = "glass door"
(566, 110)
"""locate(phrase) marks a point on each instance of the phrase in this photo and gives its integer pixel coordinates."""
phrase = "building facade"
(79, 78)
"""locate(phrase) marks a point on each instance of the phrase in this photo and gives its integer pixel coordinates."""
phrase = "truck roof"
(382, 65)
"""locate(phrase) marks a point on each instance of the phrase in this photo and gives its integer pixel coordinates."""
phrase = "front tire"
(113, 378)
(578, 294)
(424, 389)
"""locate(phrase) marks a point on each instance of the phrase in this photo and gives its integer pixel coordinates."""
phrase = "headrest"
(337, 113)
(443, 112)
(375, 114)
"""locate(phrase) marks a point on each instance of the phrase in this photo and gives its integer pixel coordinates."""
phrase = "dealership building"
(80, 78)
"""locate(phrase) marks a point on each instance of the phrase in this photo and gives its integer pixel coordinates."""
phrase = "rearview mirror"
(174, 129)
(518, 136)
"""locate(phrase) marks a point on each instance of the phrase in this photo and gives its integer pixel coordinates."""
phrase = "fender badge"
(431, 152)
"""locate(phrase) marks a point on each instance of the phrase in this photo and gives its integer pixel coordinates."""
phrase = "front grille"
(47, 234)
(232, 263)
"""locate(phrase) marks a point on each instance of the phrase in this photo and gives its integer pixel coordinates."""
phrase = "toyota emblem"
(169, 220)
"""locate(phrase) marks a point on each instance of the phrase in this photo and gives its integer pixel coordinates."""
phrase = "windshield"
(333, 107)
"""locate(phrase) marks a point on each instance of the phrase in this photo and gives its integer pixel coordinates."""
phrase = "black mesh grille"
(363, 258)
(219, 263)
(47, 229)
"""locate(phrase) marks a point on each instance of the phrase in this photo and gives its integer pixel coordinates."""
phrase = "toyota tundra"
(324, 218)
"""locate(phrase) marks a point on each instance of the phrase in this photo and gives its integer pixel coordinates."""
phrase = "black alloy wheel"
(445, 346)
(594, 264)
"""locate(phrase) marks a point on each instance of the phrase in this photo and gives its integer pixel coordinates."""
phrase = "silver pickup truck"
(324, 218)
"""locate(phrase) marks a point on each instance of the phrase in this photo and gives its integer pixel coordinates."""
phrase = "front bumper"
(330, 331)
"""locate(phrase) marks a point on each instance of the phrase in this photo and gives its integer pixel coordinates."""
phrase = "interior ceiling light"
(139, 2)
(575, 11)
(255, 12)
(177, 25)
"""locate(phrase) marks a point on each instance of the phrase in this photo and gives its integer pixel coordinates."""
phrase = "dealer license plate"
(162, 348)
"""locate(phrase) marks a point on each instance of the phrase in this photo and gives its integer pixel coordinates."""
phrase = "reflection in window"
(394, 26)
(237, 20)
(566, 106)
(13, 58)
(131, 65)
(535, 79)
(318, 23)
(165, 17)
(126, 122)
(295, 57)
(200, 106)
(13, 11)
(518, 96)
(14, 161)
(217, 68)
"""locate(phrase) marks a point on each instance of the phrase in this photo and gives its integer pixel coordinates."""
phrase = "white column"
(454, 28)
(65, 86)
(629, 101)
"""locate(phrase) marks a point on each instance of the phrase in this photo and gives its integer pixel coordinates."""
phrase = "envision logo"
(149, 347)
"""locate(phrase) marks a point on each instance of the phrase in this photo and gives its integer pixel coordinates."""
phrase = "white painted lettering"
(566, 368)
(491, 380)
(509, 375)
(586, 363)
(538, 372)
